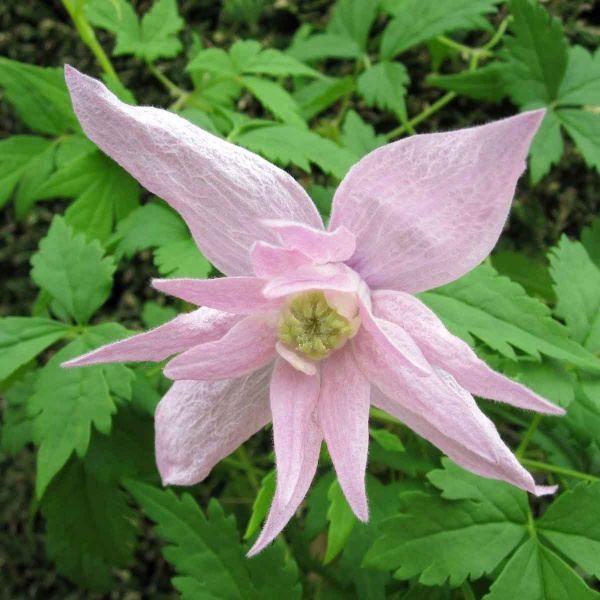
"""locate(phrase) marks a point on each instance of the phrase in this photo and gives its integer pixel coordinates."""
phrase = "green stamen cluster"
(310, 326)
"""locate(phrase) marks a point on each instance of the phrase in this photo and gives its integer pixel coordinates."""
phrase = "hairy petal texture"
(429, 208)
(452, 354)
(241, 295)
(198, 423)
(320, 246)
(249, 345)
(282, 512)
(294, 397)
(344, 414)
(439, 410)
(184, 331)
(272, 261)
(222, 191)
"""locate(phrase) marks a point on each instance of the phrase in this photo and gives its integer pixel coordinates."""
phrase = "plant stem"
(171, 87)
(249, 468)
(87, 35)
(534, 464)
(528, 435)
(462, 48)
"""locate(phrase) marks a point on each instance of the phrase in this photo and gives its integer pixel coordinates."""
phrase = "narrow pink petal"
(306, 365)
(439, 410)
(281, 512)
(322, 246)
(222, 191)
(198, 423)
(344, 414)
(183, 332)
(240, 295)
(429, 208)
(452, 354)
(271, 261)
(336, 277)
(248, 346)
(294, 397)
(394, 340)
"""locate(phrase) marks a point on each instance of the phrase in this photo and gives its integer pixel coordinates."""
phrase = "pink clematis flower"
(311, 326)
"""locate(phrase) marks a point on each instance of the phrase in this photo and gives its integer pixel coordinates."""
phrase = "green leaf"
(182, 258)
(486, 83)
(442, 538)
(206, 552)
(89, 527)
(148, 226)
(577, 281)
(104, 193)
(321, 94)
(341, 521)
(581, 83)
(275, 99)
(358, 136)
(537, 54)
(39, 96)
(324, 45)
(23, 338)
(213, 60)
(584, 128)
(417, 21)
(75, 272)
(499, 313)
(387, 440)
(153, 314)
(546, 147)
(384, 86)
(273, 62)
(322, 197)
(261, 505)
(16, 430)
(353, 19)
(67, 402)
(25, 161)
(536, 572)
(572, 524)
(590, 238)
(531, 274)
(273, 142)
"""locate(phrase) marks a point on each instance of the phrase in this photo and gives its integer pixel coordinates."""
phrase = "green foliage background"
(313, 86)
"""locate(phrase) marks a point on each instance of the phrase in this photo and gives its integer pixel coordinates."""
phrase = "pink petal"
(439, 410)
(281, 512)
(198, 423)
(344, 414)
(240, 295)
(294, 397)
(222, 191)
(336, 277)
(394, 340)
(272, 261)
(306, 365)
(184, 331)
(248, 346)
(321, 246)
(429, 208)
(452, 354)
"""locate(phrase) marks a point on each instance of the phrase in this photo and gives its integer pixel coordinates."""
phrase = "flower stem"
(528, 435)
(534, 464)
(171, 87)
(87, 35)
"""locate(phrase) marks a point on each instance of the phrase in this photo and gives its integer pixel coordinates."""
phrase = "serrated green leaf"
(273, 142)
(23, 338)
(261, 505)
(153, 314)
(441, 540)
(275, 99)
(584, 128)
(581, 83)
(39, 96)
(274, 62)
(498, 312)
(536, 572)
(353, 19)
(75, 272)
(205, 549)
(119, 17)
(358, 136)
(417, 21)
(104, 193)
(89, 527)
(577, 284)
(486, 83)
(67, 402)
(384, 86)
(341, 521)
(324, 45)
(546, 147)
(387, 440)
(321, 94)
(17, 430)
(213, 60)
(182, 258)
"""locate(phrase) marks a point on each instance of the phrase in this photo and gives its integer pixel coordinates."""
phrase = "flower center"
(312, 327)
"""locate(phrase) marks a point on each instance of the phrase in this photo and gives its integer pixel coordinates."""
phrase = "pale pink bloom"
(311, 326)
